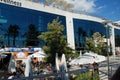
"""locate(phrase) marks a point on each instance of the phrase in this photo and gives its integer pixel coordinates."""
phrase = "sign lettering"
(11, 2)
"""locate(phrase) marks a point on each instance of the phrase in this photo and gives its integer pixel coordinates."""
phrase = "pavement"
(114, 63)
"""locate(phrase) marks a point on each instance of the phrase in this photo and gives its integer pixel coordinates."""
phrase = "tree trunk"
(14, 41)
(8, 40)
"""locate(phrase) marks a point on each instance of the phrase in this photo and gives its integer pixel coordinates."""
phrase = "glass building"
(20, 14)
(23, 18)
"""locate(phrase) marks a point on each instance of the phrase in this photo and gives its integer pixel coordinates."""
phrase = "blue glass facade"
(85, 28)
(23, 18)
(117, 37)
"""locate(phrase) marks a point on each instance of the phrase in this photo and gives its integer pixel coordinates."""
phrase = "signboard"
(11, 2)
(20, 55)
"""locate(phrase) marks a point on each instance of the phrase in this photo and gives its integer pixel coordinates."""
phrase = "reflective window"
(22, 17)
(117, 38)
(85, 28)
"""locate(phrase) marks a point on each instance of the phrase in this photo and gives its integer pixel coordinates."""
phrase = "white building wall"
(113, 41)
(53, 10)
(70, 31)
(112, 37)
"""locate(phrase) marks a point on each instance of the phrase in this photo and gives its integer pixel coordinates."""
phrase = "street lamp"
(108, 47)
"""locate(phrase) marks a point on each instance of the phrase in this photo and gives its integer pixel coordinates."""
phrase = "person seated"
(49, 68)
(13, 75)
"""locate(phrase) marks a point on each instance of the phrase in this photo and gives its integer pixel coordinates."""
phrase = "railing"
(58, 76)
(71, 74)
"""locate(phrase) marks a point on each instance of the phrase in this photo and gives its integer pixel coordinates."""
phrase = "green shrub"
(88, 76)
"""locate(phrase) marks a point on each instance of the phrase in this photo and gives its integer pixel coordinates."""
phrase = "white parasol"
(63, 62)
(28, 67)
(81, 60)
(39, 54)
(98, 58)
(12, 64)
(64, 75)
(56, 62)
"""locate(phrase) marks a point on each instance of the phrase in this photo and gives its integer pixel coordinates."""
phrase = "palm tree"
(80, 32)
(13, 31)
(1, 37)
(6, 33)
(31, 36)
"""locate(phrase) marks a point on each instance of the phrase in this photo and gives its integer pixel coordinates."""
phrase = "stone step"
(103, 76)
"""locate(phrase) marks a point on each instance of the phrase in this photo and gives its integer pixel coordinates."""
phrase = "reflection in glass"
(85, 28)
(23, 17)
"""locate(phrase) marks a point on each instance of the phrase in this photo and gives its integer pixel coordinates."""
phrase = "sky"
(108, 9)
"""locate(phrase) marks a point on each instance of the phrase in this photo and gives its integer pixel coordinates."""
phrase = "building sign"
(20, 55)
(11, 2)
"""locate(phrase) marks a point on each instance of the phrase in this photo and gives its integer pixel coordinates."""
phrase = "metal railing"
(103, 72)
(57, 75)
